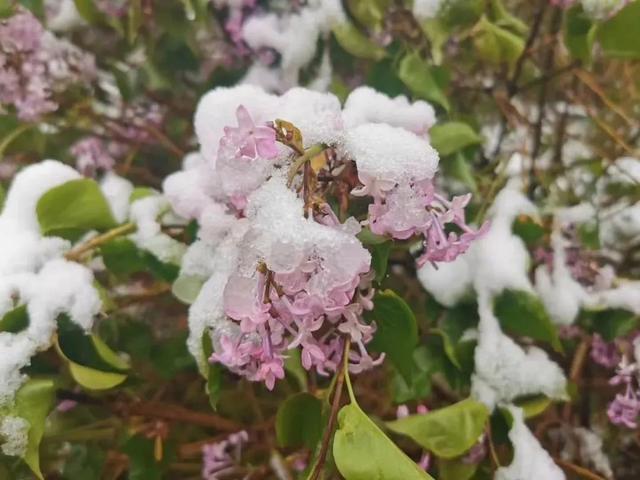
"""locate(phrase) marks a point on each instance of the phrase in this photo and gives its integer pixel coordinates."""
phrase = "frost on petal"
(530, 460)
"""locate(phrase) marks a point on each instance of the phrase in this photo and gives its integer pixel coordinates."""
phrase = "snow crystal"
(117, 191)
(586, 446)
(14, 433)
(561, 295)
(146, 213)
(505, 371)
(530, 460)
(390, 154)
(450, 282)
(366, 105)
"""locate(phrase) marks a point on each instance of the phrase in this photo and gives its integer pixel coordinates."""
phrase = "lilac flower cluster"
(92, 155)
(35, 66)
(311, 300)
(220, 459)
(416, 208)
(625, 408)
(604, 353)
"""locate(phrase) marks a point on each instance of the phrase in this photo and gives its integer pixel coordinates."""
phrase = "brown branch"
(578, 470)
(167, 411)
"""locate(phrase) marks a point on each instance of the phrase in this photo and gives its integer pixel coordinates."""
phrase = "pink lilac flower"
(220, 458)
(66, 406)
(604, 353)
(625, 408)
(35, 66)
(405, 210)
(477, 453)
(92, 155)
(249, 140)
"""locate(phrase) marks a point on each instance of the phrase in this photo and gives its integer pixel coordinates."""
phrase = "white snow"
(390, 154)
(14, 433)
(117, 191)
(530, 460)
(366, 105)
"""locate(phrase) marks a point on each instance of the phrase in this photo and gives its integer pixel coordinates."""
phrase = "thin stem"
(301, 160)
(77, 253)
(580, 471)
(6, 141)
(335, 405)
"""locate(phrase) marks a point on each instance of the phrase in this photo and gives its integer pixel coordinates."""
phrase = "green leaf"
(299, 421)
(73, 208)
(496, 44)
(140, 193)
(614, 323)
(618, 36)
(579, 33)
(87, 10)
(356, 43)
(15, 320)
(450, 137)
(109, 356)
(455, 469)
(363, 452)
(397, 330)
(533, 406)
(448, 432)
(522, 313)
(214, 384)
(93, 379)
(503, 18)
(368, 12)
(33, 402)
(367, 237)
(530, 231)
(419, 77)
(293, 366)
(380, 258)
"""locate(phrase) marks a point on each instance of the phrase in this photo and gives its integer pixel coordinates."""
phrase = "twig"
(335, 405)
(77, 253)
(177, 413)
(581, 471)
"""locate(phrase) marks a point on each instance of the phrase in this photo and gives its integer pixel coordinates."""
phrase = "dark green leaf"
(380, 258)
(447, 432)
(496, 44)
(530, 231)
(299, 421)
(363, 452)
(522, 313)
(74, 208)
(419, 77)
(579, 33)
(15, 320)
(397, 330)
(450, 137)
(614, 323)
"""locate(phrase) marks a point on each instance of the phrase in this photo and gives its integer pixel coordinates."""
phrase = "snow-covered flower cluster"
(36, 67)
(283, 270)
